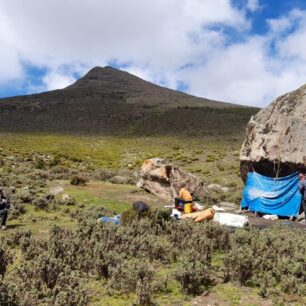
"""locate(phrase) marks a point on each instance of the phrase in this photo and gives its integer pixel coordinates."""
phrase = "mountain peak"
(98, 72)
(104, 77)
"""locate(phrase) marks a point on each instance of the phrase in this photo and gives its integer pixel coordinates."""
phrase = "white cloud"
(253, 5)
(10, 67)
(57, 80)
(293, 45)
(99, 30)
(253, 72)
(164, 41)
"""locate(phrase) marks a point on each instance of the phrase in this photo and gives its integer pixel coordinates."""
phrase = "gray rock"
(275, 143)
(214, 187)
(217, 187)
(56, 190)
(118, 179)
(65, 196)
(229, 206)
(225, 189)
(301, 217)
(165, 180)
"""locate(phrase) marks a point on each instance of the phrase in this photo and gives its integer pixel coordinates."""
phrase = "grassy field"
(215, 159)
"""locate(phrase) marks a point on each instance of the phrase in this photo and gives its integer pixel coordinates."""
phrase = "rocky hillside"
(107, 101)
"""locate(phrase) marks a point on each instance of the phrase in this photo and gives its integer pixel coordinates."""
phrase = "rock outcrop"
(165, 180)
(276, 137)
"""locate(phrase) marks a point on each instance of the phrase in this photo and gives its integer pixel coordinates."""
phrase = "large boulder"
(166, 180)
(275, 144)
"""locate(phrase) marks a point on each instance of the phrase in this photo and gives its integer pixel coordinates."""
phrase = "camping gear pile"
(216, 214)
(201, 215)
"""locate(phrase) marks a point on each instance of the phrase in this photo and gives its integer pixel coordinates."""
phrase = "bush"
(43, 201)
(78, 180)
(104, 175)
(7, 295)
(274, 258)
(211, 158)
(5, 260)
(194, 273)
(40, 163)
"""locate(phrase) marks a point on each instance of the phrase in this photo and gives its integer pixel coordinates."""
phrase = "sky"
(240, 51)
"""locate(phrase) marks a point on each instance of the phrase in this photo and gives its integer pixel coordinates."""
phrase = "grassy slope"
(214, 159)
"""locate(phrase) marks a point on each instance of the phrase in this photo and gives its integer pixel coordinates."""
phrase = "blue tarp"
(267, 195)
(116, 219)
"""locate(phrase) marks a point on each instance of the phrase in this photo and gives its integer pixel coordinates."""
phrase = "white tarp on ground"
(230, 219)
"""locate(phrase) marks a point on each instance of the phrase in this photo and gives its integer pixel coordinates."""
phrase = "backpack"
(141, 207)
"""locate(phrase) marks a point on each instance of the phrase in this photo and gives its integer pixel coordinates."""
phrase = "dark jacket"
(4, 202)
(302, 188)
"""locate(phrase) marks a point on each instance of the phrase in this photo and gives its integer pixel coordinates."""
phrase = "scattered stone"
(56, 190)
(118, 179)
(214, 187)
(67, 200)
(218, 188)
(300, 217)
(229, 206)
(65, 196)
(225, 189)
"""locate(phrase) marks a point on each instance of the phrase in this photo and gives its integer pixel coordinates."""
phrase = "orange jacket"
(185, 195)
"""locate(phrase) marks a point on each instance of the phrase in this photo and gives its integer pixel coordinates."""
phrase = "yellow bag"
(207, 214)
(188, 208)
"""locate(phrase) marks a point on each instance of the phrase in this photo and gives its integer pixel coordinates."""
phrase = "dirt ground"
(229, 295)
(263, 223)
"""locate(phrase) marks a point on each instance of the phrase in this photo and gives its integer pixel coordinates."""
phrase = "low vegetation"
(130, 260)
(56, 253)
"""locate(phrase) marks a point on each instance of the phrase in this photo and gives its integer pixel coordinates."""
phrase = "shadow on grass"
(12, 226)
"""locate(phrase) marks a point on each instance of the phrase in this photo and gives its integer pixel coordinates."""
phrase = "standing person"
(302, 188)
(4, 207)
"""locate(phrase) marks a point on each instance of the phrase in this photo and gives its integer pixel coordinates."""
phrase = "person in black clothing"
(4, 207)
(302, 188)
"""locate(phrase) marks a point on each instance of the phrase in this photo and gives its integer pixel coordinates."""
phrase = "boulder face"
(165, 180)
(275, 144)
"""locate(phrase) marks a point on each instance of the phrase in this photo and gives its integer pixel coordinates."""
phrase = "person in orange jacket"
(184, 197)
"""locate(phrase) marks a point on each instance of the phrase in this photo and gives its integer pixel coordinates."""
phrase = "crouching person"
(184, 197)
(4, 207)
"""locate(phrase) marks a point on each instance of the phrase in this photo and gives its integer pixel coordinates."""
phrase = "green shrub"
(5, 260)
(211, 158)
(78, 180)
(193, 273)
(7, 295)
(273, 257)
(40, 163)
(43, 201)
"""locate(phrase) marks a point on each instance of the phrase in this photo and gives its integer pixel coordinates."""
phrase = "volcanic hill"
(107, 101)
